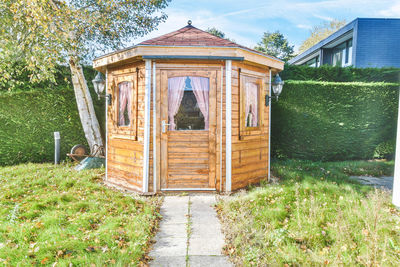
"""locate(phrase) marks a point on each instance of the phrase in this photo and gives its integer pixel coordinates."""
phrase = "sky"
(245, 21)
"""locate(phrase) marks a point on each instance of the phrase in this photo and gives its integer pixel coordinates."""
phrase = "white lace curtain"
(251, 107)
(176, 88)
(200, 86)
(125, 92)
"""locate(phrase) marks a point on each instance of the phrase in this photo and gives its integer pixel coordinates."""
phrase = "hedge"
(28, 120)
(333, 121)
(338, 74)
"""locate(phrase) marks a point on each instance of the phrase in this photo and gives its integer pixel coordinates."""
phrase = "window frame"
(125, 131)
(260, 81)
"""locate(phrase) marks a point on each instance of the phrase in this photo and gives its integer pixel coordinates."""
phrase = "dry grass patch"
(315, 217)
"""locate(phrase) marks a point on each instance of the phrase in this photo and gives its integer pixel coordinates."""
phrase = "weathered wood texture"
(125, 144)
(187, 159)
(249, 147)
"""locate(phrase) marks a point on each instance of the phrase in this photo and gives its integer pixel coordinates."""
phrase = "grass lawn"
(314, 216)
(54, 214)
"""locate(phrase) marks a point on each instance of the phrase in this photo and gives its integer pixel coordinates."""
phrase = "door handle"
(163, 126)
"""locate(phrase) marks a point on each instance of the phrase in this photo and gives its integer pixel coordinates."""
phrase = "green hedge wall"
(338, 74)
(333, 121)
(28, 120)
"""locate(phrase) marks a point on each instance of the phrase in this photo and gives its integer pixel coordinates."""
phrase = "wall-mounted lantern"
(99, 84)
(277, 86)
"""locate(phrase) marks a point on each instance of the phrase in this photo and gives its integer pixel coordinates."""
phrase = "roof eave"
(136, 51)
(345, 29)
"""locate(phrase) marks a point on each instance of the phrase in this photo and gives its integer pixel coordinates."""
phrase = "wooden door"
(188, 155)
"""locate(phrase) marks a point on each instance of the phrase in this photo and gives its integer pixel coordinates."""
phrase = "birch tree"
(320, 32)
(41, 34)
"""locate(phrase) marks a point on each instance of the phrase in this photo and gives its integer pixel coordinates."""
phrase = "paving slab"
(385, 182)
(209, 261)
(171, 239)
(206, 239)
(169, 246)
(169, 261)
(206, 246)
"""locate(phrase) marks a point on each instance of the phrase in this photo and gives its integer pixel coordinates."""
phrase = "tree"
(216, 32)
(275, 44)
(320, 32)
(45, 33)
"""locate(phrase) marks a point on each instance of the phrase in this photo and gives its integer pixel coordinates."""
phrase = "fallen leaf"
(90, 249)
(44, 260)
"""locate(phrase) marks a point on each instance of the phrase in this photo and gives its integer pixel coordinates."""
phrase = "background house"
(364, 42)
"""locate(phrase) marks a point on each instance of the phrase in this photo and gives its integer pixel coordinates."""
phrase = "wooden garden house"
(187, 112)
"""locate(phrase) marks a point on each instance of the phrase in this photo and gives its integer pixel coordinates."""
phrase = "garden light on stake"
(98, 84)
(277, 86)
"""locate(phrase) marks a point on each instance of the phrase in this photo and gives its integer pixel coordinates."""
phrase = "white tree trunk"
(84, 101)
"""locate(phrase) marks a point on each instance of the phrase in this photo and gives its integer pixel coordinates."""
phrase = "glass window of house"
(349, 51)
(313, 62)
(124, 103)
(188, 103)
(339, 55)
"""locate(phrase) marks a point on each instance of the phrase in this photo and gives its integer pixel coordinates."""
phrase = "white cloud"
(393, 11)
(323, 17)
(304, 26)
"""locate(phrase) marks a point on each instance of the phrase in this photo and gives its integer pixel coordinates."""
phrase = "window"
(342, 54)
(188, 103)
(312, 62)
(349, 54)
(124, 106)
(124, 103)
(250, 104)
(339, 53)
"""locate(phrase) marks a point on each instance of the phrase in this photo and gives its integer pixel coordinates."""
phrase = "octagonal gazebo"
(188, 112)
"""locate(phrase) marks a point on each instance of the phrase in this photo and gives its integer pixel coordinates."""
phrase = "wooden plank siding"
(249, 152)
(125, 144)
(188, 157)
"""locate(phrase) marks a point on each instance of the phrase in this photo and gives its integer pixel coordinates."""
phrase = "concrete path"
(379, 182)
(190, 233)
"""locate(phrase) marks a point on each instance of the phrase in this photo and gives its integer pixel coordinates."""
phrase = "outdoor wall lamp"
(277, 86)
(99, 84)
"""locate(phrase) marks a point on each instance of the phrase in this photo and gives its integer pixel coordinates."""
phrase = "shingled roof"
(189, 36)
(185, 41)
(192, 36)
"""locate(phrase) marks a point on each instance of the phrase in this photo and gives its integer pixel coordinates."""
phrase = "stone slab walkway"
(379, 182)
(190, 233)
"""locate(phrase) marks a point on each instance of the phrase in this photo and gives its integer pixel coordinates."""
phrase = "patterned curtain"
(251, 108)
(125, 105)
(176, 87)
(201, 90)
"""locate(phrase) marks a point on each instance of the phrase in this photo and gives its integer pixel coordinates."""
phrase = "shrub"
(28, 120)
(385, 150)
(339, 74)
(333, 121)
